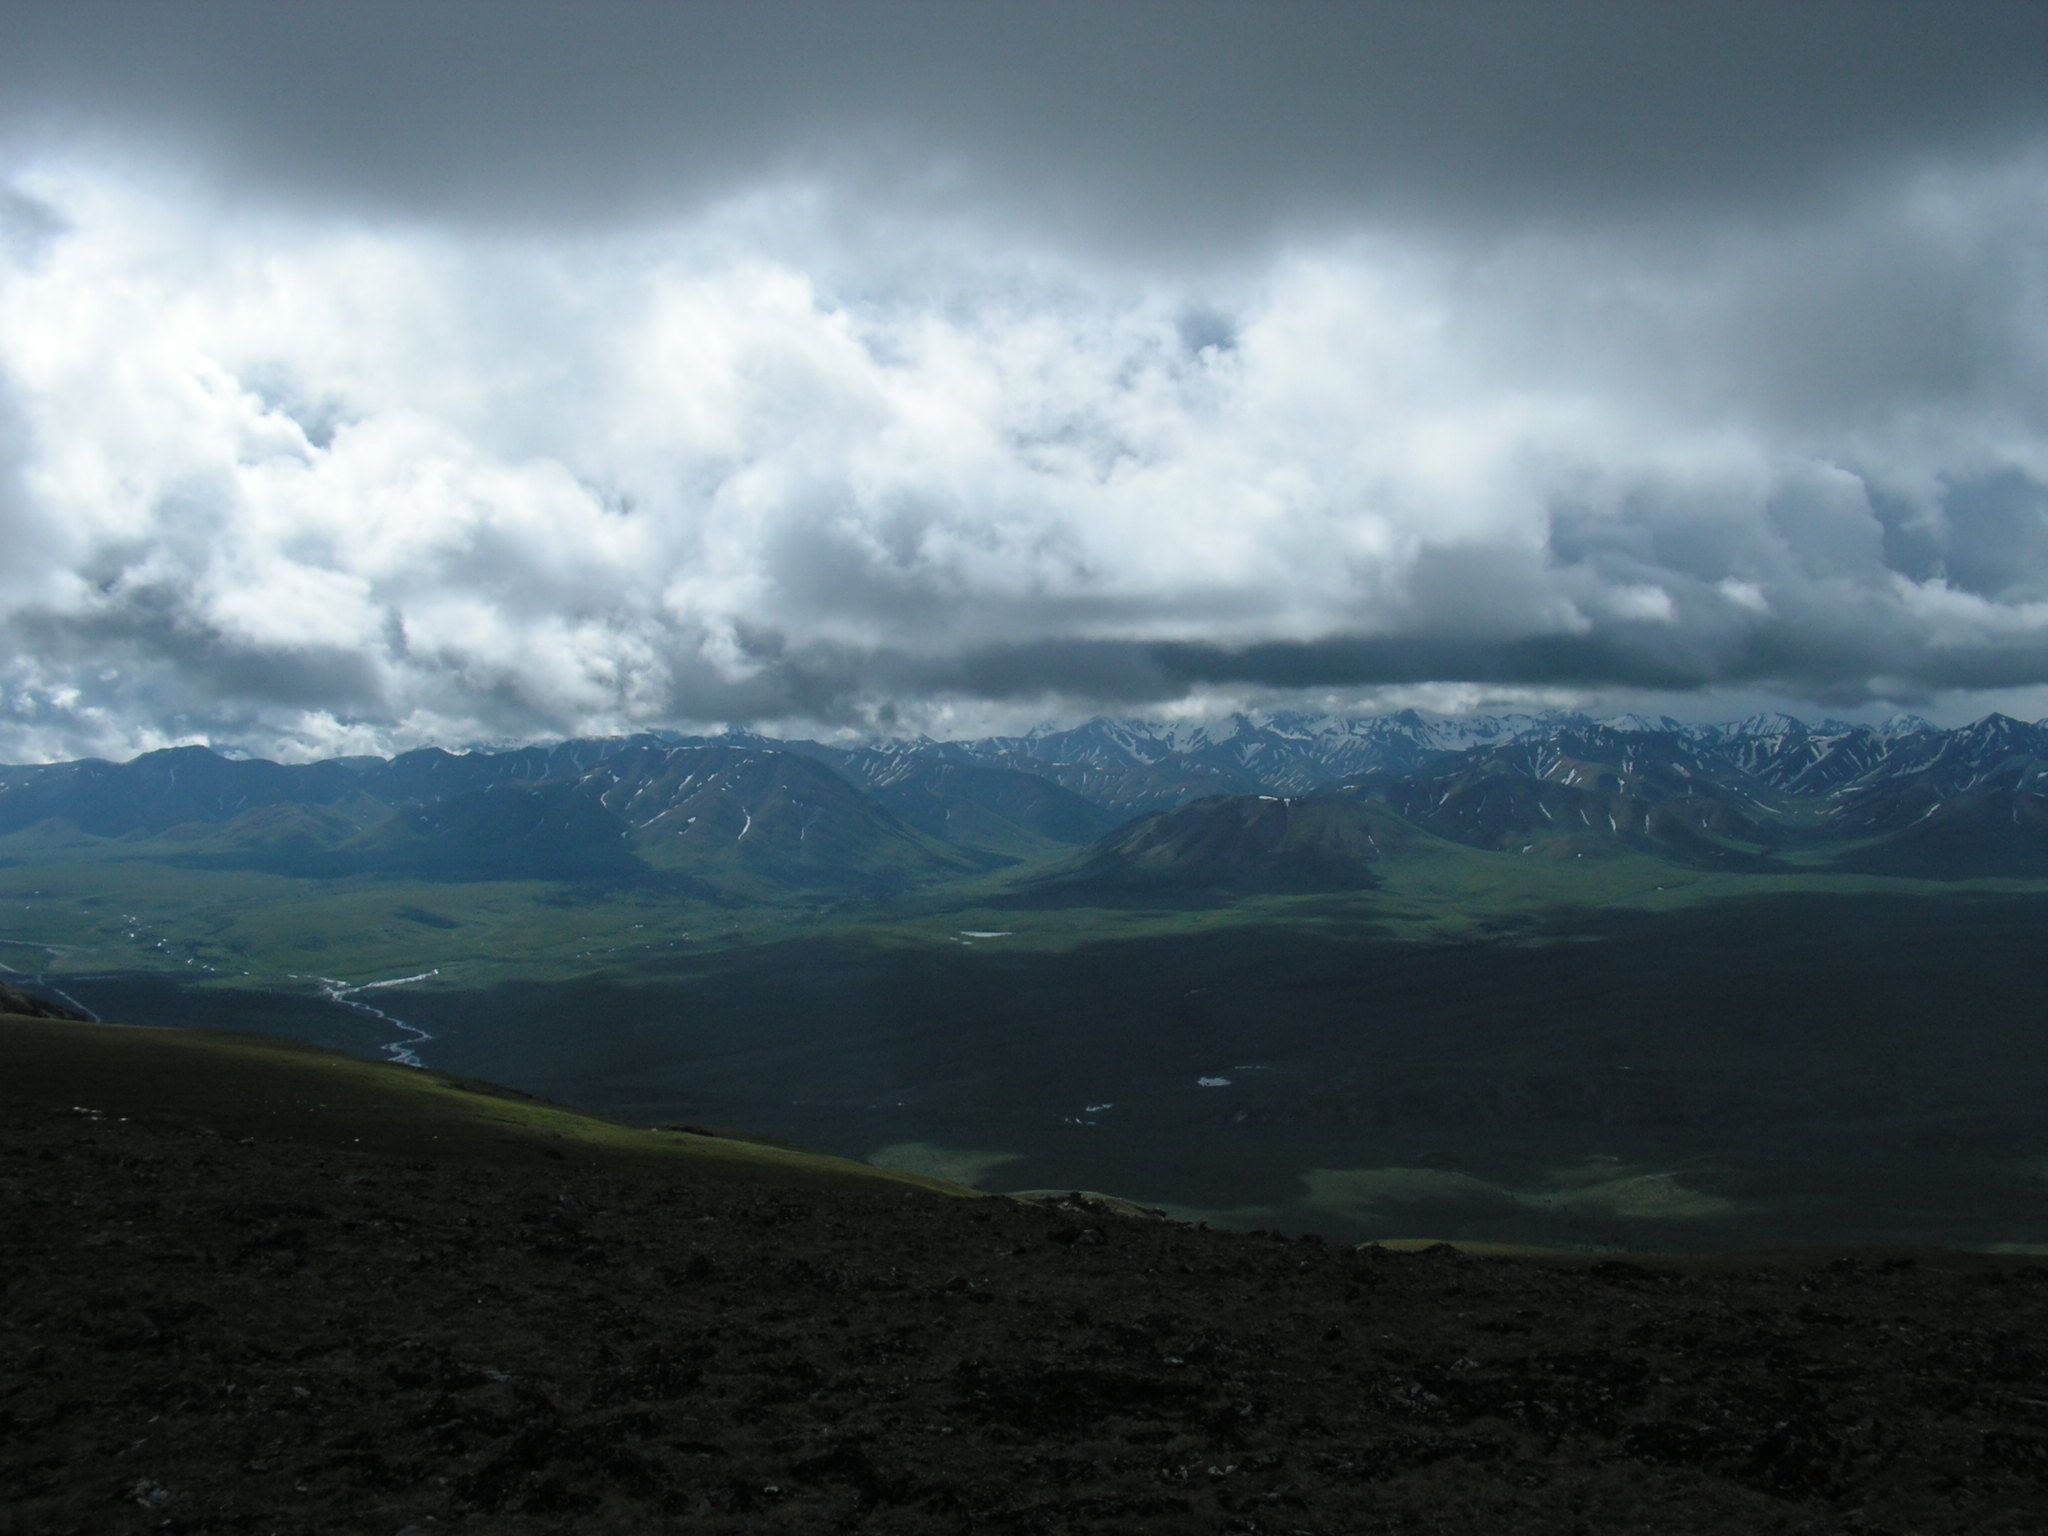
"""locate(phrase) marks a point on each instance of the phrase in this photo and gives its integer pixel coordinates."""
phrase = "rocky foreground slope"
(203, 1330)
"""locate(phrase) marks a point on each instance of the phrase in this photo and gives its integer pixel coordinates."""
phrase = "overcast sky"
(373, 375)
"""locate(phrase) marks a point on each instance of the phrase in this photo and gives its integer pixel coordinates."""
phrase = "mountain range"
(1279, 801)
(1133, 766)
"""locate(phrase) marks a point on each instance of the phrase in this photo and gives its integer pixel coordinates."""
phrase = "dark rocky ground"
(199, 1334)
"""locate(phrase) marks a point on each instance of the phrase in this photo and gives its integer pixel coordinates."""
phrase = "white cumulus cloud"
(306, 481)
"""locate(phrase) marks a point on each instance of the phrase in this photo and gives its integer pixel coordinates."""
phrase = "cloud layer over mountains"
(369, 378)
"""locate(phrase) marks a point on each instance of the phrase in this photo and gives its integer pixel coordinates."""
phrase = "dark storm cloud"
(190, 666)
(27, 226)
(1846, 663)
(1843, 667)
(1146, 121)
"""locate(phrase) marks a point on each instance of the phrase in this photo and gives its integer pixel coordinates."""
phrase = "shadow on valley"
(1767, 1070)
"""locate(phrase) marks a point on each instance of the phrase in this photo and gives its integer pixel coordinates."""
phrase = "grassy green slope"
(763, 826)
(1237, 845)
(991, 810)
(1579, 809)
(280, 1090)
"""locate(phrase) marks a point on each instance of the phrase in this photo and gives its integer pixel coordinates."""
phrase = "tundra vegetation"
(1609, 986)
